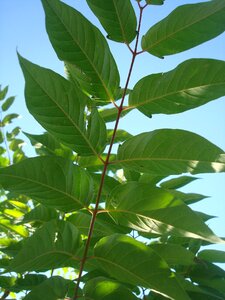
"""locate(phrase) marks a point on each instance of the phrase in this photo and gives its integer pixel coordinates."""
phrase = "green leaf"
(78, 42)
(193, 83)
(102, 288)
(132, 262)
(121, 135)
(95, 164)
(148, 209)
(214, 256)
(54, 245)
(176, 183)
(117, 18)
(169, 152)
(3, 93)
(19, 229)
(11, 135)
(8, 102)
(59, 107)
(174, 254)
(16, 144)
(53, 288)
(110, 114)
(188, 198)
(28, 282)
(41, 214)
(155, 2)
(109, 184)
(52, 181)
(8, 119)
(7, 282)
(104, 224)
(46, 144)
(186, 27)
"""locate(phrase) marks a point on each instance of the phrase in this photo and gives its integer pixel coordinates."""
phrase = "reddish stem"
(106, 163)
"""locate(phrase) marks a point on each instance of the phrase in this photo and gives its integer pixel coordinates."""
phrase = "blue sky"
(22, 28)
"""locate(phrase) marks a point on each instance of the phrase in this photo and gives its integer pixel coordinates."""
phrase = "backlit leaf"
(52, 246)
(8, 102)
(214, 256)
(59, 107)
(77, 41)
(176, 183)
(101, 288)
(130, 261)
(186, 27)
(164, 152)
(148, 209)
(193, 83)
(50, 180)
(117, 18)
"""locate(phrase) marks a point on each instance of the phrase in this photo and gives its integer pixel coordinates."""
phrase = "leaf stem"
(106, 163)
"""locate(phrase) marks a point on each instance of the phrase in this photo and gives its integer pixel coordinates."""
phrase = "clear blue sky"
(22, 27)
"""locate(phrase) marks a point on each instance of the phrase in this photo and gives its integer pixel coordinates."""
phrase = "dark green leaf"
(193, 83)
(117, 18)
(188, 198)
(214, 256)
(101, 288)
(59, 107)
(155, 2)
(174, 254)
(95, 164)
(78, 42)
(54, 245)
(109, 184)
(28, 282)
(186, 27)
(41, 214)
(53, 181)
(148, 209)
(53, 288)
(132, 262)
(176, 183)
(11, 135)
(164, 152)
(8, 102)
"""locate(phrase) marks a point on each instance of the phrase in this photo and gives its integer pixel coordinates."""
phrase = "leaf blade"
(84, 46)
(186, 27)
(193, 83)
(117, 18)
(69, 188)
(164, 152)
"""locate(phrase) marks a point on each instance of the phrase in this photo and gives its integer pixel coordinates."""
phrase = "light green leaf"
(54, 288)
(46, 144)
(59, 107)
(50, 180)
(188, 198)
(3, 92)
(148, 209)
(19, 229)
(78, 42)
(176, 183)
(8, 119)
(121, 135)
(110, 114)
(95, 164)
(186, 27)
(193, 83)
(132, 262)
(109, 184)
(169, 152)
(117, 18)
(214, 256)
(8, 102)
(101, 288)
(54, 245)
(15, 144)
(41, 214)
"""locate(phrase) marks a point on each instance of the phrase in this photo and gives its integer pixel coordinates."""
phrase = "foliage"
(69, 210)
